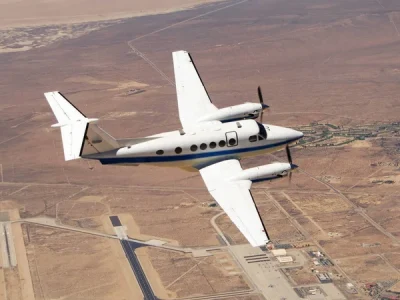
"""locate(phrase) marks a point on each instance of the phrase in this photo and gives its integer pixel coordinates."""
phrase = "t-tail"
(80, 135)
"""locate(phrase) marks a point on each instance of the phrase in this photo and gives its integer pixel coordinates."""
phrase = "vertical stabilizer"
(79, 136)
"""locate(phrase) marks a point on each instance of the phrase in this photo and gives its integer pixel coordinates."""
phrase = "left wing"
(235, 198)
(193, 99)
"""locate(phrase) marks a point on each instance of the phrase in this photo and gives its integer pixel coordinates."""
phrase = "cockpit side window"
(253, 138)
(262, 133)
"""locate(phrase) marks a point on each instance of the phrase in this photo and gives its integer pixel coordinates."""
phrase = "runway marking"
(137, 269)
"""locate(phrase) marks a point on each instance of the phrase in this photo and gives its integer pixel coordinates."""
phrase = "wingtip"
(177, 52)
(50, 93)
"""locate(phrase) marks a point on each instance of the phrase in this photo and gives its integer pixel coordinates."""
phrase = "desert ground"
(38, 12)
(318, 63)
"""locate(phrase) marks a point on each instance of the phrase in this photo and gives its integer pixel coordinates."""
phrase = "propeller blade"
(290, 177)
(261, 117)
(260, 96)
(289, 156)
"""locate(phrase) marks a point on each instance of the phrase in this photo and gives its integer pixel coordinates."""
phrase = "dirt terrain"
(38, 12)
(322, 62)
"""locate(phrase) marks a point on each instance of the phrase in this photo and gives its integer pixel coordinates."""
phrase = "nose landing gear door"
(231, 139)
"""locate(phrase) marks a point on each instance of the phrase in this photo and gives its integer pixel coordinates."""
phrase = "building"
(324, 278)
(279, 252)
(285, 259)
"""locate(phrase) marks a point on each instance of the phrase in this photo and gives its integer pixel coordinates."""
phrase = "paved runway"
(129, 249)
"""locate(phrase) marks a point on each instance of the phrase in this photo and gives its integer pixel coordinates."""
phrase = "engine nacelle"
(236, 112)
(262, 172)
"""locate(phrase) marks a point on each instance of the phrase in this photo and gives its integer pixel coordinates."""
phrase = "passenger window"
(253, 138)
(203, 146)
(178, 150)
(232, 142)
(222, 143)
(160, 152)
(213, 145)
(193, 148)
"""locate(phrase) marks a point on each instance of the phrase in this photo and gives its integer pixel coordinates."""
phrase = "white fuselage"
(203, 145)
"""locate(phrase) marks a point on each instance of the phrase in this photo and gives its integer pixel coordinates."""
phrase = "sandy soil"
(332, 64)
(23, 266)
(15, 13)
(129, 280)
(77, 266)
(301, 276)
(361, 144)
(115, 85)
(194, 276)
(3, 291)
(152, 275)
(369, 269)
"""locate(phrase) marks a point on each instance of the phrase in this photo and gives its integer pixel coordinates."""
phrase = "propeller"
(263, 106)
(289, 155)
(292, 166)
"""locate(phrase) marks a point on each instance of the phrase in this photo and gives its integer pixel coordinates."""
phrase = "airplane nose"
(292, 134)
(299, 134)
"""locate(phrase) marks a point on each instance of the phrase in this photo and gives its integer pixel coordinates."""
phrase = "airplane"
(211, 141)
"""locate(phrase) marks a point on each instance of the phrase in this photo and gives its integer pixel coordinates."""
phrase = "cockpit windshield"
(262, 133)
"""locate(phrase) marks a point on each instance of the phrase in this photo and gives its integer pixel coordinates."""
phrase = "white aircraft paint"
(208, 142)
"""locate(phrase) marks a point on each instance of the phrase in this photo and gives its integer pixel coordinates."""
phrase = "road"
(219, 231)
(51, 222)
(358, 209)
(307, 235)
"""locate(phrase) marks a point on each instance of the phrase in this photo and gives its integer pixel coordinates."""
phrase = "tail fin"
(80, 136)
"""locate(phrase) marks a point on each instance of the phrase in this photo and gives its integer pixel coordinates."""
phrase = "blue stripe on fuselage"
(160, 159)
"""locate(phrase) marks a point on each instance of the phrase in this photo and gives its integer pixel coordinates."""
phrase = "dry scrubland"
(15, 13)
(205, 275)
(60, 266)
(329, 62)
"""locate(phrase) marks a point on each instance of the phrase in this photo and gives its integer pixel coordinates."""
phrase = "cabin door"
(231, 138)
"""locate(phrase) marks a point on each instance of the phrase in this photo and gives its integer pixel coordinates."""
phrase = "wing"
(235, 199)
(193, 99)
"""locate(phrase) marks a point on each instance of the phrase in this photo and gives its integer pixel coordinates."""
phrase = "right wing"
(193, 99)
(235, 199)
